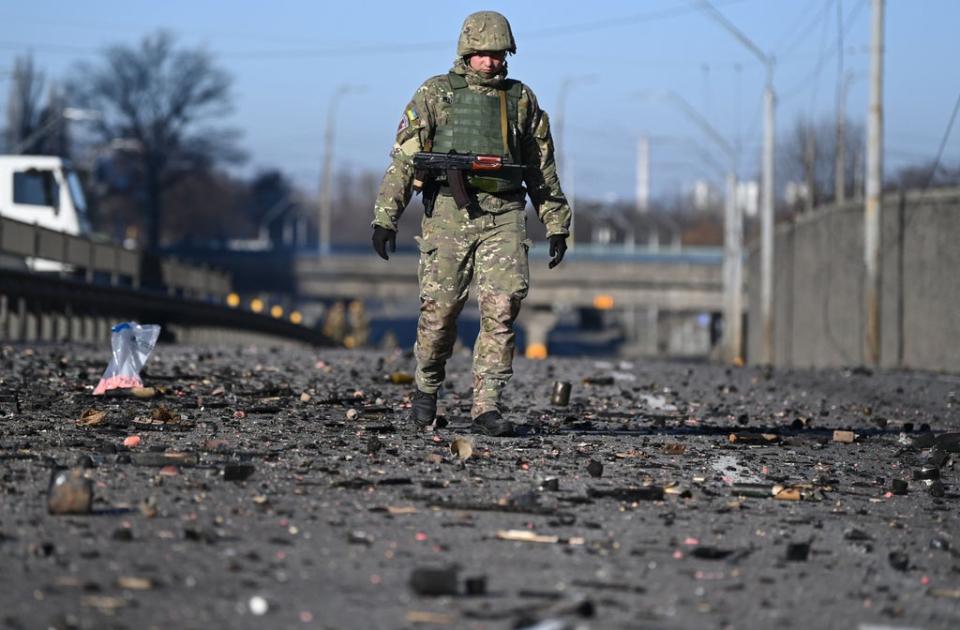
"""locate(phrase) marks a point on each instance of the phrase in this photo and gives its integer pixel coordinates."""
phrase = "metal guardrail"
(76, 303)
(121, 265)
(55, 308)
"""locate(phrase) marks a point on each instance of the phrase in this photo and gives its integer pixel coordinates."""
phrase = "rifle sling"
(503, 122)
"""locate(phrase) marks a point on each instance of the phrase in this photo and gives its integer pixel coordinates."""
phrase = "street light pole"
(873, 208)
(733, 231)
(766, 198)
(326, 177)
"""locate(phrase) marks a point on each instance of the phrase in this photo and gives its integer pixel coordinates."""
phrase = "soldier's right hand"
(381, 237)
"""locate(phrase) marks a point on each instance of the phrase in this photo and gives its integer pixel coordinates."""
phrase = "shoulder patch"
(412, 114)
(404, 123)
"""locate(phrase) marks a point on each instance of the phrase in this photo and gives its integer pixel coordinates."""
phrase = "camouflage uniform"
(487, 241)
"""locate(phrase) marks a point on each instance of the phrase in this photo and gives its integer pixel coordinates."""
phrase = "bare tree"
(808, 156)
(159, 98)
(55, 138)
(23, 104)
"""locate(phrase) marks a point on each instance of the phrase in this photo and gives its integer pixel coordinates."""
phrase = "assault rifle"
(453, 165)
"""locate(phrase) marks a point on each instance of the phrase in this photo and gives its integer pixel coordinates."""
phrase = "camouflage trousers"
(456, 247)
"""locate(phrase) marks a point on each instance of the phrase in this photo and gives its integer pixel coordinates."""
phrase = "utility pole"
(809, 168)
(839, 175)
(766, 185)
(732, 273)
(643, 175)
(733, 231)
(766, 221)
(873, 207)
(326, 177)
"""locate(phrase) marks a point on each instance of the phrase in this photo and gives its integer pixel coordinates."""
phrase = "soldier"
(474, 109)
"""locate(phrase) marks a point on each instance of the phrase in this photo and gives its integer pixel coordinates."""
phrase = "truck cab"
(42, 190)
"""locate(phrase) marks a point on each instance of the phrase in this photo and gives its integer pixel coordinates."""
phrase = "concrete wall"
(819, 278)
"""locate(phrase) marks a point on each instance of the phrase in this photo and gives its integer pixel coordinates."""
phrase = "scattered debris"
(70, 492)
(899, 560)
(524, 535)
(844, 437)
(428, 617)
(91, 418)
(401, 378)
(898, 487)
(561, 394)
(752, 438)
(132, 441)
(798, 552)
(630, 495)
(462, 448)
(134, 583)
(258, 605)
(434, 581)
(143, 392)
(238, 471)
(131, 346)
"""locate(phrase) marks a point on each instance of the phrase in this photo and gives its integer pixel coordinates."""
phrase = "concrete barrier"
(819, 279)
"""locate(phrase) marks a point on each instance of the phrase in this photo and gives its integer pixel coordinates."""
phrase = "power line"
(820, 15)
(943, 144)
(820, 63)
(349, 50)
(825, 56)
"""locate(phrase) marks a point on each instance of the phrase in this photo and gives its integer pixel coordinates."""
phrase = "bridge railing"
(121, 266)
(90, 285)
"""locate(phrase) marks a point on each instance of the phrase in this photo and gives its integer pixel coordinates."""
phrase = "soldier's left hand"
(382, 237)
(558, 247)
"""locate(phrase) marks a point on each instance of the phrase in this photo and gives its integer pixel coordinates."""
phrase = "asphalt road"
(282, 488)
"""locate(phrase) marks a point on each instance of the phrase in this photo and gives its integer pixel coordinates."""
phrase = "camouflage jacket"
(429, 107)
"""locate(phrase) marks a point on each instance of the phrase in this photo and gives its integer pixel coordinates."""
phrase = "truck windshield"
(79, 201)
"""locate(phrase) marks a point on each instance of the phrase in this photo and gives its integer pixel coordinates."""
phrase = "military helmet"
(485, 31)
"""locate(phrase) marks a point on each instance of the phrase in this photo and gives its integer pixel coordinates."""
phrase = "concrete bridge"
(682, 280)
(645, 287)
(642, 286)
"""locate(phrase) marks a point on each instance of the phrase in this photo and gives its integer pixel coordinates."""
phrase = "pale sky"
(288, 57)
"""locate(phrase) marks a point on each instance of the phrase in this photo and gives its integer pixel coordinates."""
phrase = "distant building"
(748, 197)
(705, 196)
(795, 192)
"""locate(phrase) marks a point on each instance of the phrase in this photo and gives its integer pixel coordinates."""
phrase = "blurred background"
(223, 132)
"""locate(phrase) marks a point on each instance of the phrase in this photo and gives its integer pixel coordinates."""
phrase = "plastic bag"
(131, 344)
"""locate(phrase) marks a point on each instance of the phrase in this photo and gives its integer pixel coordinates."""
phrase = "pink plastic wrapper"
(131, 345)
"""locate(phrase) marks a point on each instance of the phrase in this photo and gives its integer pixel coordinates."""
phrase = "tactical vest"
(480, 124)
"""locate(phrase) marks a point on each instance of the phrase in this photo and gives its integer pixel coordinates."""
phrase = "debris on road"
(523, 535)
(434, 581)
(274, 473)
(560, 397)
(844, 437)
(70, 492)
(131, 345)
(91, 418)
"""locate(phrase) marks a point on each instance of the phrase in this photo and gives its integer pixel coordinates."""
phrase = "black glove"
(381, 237)
(558, 247)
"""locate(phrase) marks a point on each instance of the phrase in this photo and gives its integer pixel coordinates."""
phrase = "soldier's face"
(487, 62)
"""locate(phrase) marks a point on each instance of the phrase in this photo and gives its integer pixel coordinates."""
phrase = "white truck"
(42, 190)
(45, 191)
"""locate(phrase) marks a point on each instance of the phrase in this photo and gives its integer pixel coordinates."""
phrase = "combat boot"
(423, 409)
(493, 424)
